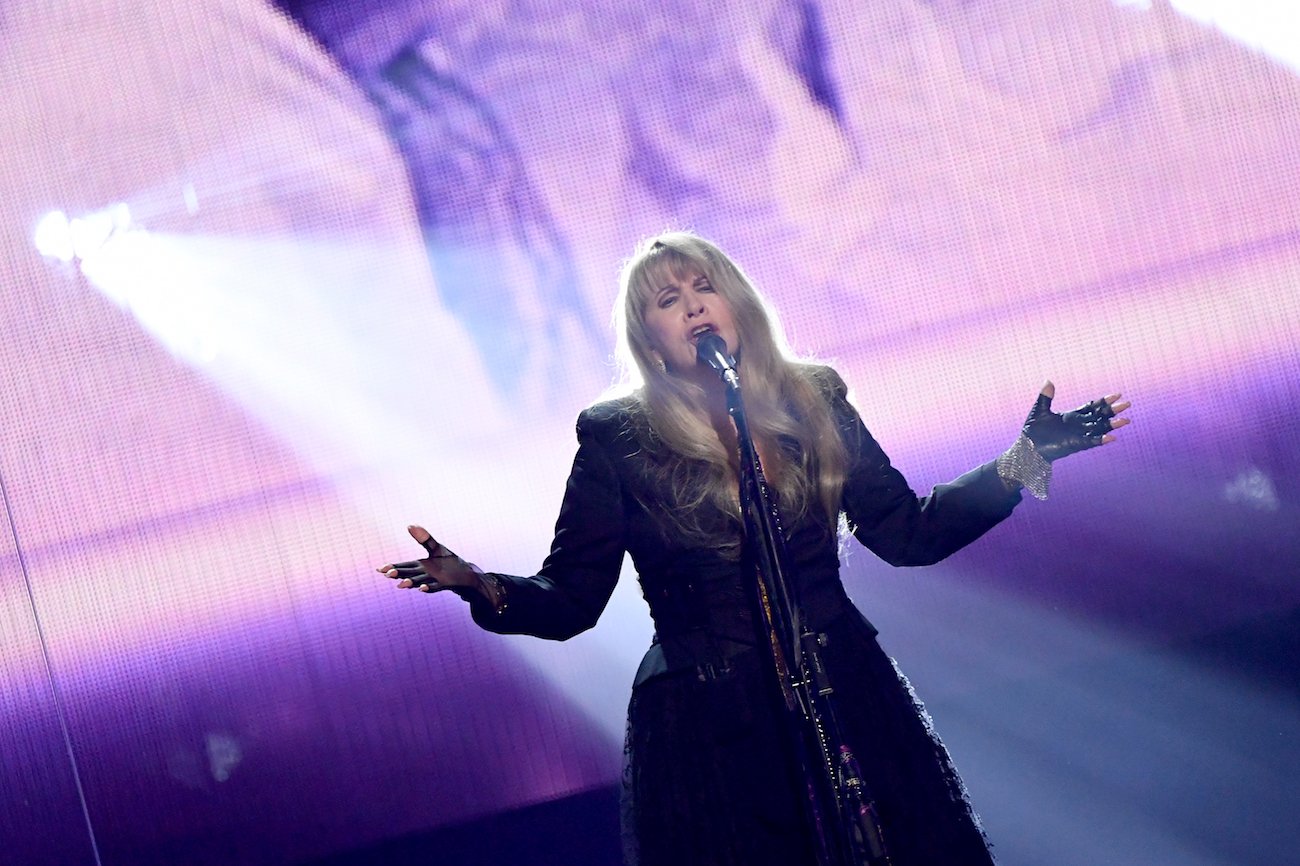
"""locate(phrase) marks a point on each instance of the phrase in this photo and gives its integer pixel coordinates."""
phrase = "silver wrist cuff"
(1023, 464)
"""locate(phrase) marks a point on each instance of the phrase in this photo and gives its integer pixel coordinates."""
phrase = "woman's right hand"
(441, 569)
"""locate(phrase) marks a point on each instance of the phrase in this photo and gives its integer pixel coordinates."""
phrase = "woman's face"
(678, 311)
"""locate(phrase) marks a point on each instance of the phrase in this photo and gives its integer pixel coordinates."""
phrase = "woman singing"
(711, 776)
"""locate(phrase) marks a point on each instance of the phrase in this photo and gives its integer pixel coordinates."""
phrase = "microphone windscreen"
(711, 349)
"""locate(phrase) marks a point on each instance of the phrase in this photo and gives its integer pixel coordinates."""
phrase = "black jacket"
(700, 600)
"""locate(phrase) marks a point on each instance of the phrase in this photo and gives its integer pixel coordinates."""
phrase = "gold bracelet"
(495, 591)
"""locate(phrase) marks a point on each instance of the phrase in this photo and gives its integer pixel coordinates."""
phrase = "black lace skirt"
(710, 779)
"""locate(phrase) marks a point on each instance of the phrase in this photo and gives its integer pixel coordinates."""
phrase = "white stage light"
(54, 236)
(58, 237)
(1267, 25)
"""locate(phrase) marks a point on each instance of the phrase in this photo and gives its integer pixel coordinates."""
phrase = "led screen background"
(366, 281)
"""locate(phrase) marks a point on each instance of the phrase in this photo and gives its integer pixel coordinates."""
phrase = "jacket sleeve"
(887, 516)
(569, 593)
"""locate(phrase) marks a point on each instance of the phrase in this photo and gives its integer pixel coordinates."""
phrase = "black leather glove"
(1056, 436)
(1047, 436)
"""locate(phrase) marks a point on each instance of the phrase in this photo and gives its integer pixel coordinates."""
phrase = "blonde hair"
(785, 401)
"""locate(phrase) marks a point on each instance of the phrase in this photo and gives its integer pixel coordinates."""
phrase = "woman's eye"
(666, 301)
(704, 287)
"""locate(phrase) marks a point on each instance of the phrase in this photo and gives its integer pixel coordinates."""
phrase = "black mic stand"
(843, 817)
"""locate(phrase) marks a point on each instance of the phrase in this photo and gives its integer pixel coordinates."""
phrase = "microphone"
(711, 349)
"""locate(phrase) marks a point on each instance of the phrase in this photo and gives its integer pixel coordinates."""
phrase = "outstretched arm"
(887, 516)
(904, 529)
(569, 593)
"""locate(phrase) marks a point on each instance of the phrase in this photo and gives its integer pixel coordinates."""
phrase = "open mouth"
(700, 331)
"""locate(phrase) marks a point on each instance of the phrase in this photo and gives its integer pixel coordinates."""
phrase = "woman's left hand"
(1058, 435)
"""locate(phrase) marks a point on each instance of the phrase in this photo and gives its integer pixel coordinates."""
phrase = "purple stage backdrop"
(279, 280)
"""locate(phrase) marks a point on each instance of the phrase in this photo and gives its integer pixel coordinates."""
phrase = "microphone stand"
(845, 825)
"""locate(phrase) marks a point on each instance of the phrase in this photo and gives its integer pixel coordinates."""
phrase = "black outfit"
(709, 779)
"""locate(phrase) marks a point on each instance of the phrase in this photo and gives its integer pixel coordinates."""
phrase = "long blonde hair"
(786, 401)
